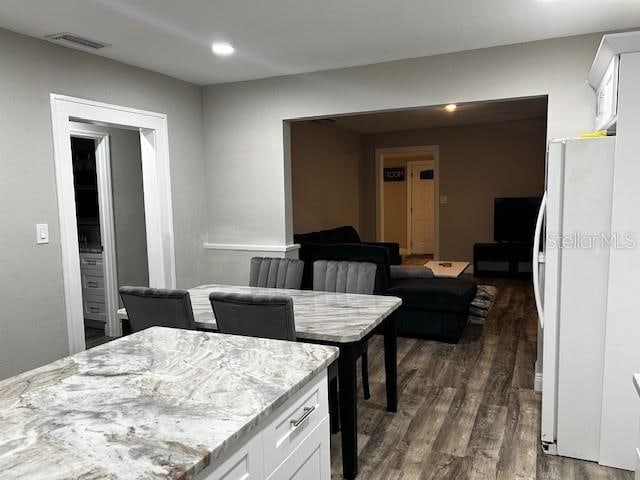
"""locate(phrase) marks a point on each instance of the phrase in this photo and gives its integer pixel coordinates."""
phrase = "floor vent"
(77, 40)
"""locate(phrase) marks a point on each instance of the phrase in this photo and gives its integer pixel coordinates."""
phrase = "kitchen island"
(170, 404)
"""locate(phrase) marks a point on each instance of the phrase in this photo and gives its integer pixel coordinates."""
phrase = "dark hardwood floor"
(466, 411)
(95, 336)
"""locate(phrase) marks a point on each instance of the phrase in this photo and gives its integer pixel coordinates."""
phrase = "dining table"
(343, 320)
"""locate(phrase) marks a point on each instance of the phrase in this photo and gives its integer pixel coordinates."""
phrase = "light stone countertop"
(162, 403)
(324, 316)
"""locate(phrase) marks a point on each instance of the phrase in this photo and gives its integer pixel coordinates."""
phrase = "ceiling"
(279, 37)
(437, 116)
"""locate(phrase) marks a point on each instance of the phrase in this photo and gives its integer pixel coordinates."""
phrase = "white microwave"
(607, 97)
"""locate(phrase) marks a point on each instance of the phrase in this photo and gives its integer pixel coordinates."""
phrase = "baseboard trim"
(242, 247)
(537, 382)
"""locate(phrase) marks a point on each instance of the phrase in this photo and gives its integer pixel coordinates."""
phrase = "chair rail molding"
(243, 247)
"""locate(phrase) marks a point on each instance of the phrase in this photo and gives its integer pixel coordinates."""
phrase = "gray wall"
(325, 172)
(32, 316)
(249, 186)
(477, 163)
(128, 208)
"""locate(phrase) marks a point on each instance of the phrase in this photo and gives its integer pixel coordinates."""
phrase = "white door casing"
(407, 152)
(157, 196)
(105, 208)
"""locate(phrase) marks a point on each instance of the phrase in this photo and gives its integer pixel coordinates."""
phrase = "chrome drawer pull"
(307, 411)
(91, 262)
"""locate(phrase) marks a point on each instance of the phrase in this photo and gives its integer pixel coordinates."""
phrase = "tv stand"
(502, 259)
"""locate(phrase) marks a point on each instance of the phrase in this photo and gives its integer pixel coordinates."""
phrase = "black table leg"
(391, 362)
(348, 409)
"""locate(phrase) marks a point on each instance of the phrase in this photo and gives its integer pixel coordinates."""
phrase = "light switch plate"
(42, 233)
(443, 199)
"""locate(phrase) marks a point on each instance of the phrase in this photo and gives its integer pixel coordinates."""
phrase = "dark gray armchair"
(155, 307)
(276, 272)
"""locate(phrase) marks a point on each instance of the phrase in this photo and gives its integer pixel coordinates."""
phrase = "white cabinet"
(291, 444)
(310, 460)
(92, 278)
(244, 464)
(607, 97)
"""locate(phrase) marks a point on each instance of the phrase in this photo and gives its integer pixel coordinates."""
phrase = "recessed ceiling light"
(451, 107)
(223, 49)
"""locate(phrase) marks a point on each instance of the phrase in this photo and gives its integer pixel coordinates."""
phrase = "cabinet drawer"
(92, 281)
(95, 310)
(310, 460)
(91, 262)
(296, 420)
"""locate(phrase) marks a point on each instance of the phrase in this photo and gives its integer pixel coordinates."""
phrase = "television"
(514, 219)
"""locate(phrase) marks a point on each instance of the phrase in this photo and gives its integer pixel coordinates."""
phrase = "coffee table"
(446, 268)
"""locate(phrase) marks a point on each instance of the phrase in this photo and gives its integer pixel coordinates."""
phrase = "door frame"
(154, 148)
(105, 209)
(430, 163)
(399, 152)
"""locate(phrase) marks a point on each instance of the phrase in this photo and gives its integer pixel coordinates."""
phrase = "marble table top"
(162, 403)
(324, 316)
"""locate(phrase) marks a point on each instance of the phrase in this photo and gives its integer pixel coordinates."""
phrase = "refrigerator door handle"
(538, 258)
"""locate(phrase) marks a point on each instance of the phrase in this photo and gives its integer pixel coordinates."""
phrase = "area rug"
(481, 304)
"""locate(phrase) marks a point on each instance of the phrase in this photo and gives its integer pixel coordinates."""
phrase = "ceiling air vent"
(77, 40)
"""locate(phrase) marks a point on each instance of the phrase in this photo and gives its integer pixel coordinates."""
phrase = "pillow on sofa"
(410, 271)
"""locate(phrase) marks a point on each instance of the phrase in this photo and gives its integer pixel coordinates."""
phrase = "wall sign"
(393, 174)
(426, 175)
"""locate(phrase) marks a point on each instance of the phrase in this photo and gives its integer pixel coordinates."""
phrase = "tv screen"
(514, 219)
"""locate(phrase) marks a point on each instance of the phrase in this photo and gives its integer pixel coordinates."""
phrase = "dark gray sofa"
(434, 308)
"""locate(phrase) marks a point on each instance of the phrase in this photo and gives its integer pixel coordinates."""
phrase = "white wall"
(32, 318)
(128, 208)
(249, 192)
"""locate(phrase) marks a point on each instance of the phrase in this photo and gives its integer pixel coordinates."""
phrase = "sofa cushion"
(442, 294)
(410, 271)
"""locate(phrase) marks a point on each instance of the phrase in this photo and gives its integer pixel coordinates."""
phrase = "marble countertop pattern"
(160, 404)
(636, 382)
(324, 316)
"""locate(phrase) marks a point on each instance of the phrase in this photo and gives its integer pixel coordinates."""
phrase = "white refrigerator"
(571, 271)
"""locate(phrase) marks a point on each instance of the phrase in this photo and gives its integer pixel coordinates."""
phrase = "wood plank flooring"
(466, 411)
(95, 336)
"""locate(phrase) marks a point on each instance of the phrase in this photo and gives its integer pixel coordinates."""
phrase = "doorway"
(407, 193)
(107, 171)
(151, 130)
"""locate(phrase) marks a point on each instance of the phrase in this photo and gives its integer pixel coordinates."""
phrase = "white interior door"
(421, 207)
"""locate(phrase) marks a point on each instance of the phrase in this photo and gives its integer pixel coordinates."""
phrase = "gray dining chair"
(155, 307)
(276, 272)
(265, 316)
(347, 277)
